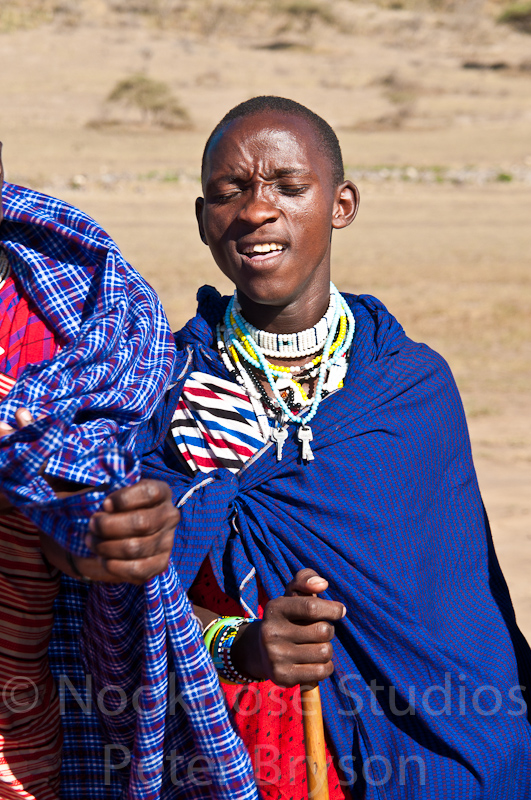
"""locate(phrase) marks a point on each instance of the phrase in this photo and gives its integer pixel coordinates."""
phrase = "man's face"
(269, 207)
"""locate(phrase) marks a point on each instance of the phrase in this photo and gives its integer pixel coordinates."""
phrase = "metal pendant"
(279, 435)
(305, 436)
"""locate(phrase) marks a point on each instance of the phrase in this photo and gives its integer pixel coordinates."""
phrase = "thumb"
(306, 582)
(23, 418)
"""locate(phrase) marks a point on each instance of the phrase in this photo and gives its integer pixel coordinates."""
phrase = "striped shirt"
(215, 425)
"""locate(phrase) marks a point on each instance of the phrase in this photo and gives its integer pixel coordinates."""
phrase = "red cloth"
(268, 717)
(30, 729)
(24, 336)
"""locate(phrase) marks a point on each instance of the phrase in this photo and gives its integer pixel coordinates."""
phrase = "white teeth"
(266, 248)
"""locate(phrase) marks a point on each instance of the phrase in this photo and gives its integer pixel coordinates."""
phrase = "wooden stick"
(314, 743)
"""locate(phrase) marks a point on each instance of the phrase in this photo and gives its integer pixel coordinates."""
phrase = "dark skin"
(292, 644)
(131, 537)
(267, 180)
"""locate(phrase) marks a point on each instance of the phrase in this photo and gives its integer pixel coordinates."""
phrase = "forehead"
(270, 140)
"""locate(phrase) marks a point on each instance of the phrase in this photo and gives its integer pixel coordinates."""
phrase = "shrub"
(518, 16)
(305, 12)
(152, 99)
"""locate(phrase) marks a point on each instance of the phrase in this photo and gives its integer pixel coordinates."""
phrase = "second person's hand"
(292, 644)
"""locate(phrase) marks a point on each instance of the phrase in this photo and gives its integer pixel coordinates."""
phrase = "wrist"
(76, 572)
(246, 651)
(220, 637)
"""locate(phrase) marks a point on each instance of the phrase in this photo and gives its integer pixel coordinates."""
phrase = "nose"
(258, 208)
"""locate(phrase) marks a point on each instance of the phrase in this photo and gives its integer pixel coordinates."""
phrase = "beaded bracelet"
(219, 638)
(215, 626)
(210, 625)
(220, 652)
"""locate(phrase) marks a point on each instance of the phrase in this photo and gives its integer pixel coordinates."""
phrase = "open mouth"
(262, 251)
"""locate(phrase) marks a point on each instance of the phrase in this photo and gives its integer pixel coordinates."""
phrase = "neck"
(297, 316)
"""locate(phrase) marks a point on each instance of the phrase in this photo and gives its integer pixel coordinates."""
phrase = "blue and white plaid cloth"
(115, 361)
(176, 731)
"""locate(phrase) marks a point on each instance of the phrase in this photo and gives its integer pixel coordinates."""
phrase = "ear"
(199, 206)
(346, 204)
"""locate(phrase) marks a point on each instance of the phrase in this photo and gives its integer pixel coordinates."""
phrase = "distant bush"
(23, 14)
(149, 99)
(206, 17)
(213, 16)
(15, 15)
(306, 11)
(519, 16)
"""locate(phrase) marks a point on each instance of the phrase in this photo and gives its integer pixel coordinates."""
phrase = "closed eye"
(292, 189)
(226, 197)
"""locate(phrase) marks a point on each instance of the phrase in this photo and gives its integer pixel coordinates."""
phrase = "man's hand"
(131, 538)
(292, 644)
(133, 534)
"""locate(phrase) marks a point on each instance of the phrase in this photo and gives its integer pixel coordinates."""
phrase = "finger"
(136, 548)
(278, 642)
(144, 494)
(118, 571)
(306, 581)
(304, 674)
(132, 524)
(93, 569)
(136, 572)
(23, 417)
(5, 429)
(320, 653)
(304, 609)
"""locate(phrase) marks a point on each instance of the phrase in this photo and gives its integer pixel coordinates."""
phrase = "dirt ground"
(434, 116)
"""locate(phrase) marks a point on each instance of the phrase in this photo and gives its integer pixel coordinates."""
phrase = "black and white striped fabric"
(214, 424)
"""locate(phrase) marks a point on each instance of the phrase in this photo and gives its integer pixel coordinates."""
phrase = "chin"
(266, 295)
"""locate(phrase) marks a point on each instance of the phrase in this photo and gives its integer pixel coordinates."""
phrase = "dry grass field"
(432, 103)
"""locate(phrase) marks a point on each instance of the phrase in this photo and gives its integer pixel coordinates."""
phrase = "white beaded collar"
(294, 345)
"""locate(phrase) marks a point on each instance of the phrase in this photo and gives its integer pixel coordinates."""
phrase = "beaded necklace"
(294, 345)
(239, 347)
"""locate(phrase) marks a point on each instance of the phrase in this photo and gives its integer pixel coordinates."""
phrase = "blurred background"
(108, 103)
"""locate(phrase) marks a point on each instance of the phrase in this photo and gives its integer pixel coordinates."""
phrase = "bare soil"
(437, 133)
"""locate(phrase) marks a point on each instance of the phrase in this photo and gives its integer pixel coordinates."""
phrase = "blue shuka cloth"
(425, 701)
(115, 362)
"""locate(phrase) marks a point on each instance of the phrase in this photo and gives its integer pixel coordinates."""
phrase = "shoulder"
(375, 322)
(201, 329)
(381, 341)
(26, 206)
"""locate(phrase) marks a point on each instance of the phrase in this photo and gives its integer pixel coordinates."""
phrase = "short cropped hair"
(256, 105)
